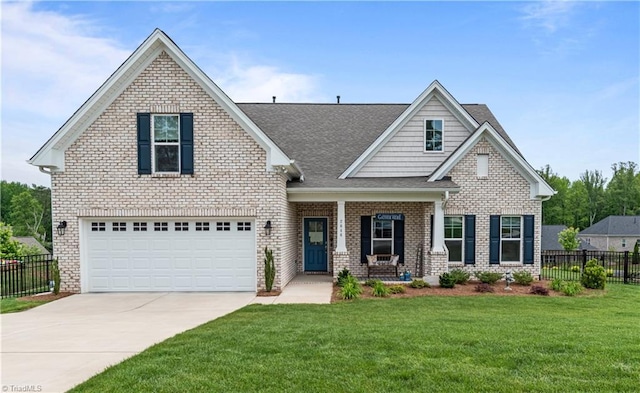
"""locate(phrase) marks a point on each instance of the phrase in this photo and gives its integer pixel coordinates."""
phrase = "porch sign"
(390, 216)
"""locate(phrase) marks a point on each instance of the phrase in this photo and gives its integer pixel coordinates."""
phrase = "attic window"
(483, 166)
(433, 135)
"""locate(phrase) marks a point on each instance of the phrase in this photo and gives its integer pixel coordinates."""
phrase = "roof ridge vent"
(338, 99)
(274, 99)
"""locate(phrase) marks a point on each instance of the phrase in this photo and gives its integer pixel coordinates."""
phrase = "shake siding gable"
(403, 155)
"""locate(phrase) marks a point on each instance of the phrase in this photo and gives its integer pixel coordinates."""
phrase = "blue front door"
(315, 244)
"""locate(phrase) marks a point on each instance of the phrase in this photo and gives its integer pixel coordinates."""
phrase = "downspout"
(41, 168)
(445, 200)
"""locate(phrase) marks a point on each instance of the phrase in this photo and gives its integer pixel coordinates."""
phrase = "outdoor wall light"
(267, 228)
(61, 227)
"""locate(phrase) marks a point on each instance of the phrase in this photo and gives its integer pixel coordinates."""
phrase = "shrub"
(269, 269)
(419, 284)
(575, 269)
(398, 288)
(56, 276)
(446, 281)
(380, 290)
(539, 290)
(342, 276)
(571, 288)
(523, 278)
(557, 284)
(460, 276)
(488, 277)
(371, 282)
(635, 257)
(609, 272)
(593, 276)
(484, 288)
(350, 290)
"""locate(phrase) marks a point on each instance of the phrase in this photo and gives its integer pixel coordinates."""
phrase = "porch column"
(341, 244)
(438, 228)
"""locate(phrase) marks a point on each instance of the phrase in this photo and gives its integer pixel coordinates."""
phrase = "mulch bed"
(270, 293)
(459, 290)
(47, 297)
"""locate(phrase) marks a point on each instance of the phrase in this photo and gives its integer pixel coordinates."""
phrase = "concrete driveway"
(56, 346)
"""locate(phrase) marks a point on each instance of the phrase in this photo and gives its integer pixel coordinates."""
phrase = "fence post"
(626, 267)
(584, 259)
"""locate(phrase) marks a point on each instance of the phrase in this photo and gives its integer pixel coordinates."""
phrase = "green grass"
(12, 305)
(453, 344)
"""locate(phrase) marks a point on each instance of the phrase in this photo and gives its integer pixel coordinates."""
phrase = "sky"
(562, 77)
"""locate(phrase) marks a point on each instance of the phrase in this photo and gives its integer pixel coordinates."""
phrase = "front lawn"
(453, 344)
(14, 305)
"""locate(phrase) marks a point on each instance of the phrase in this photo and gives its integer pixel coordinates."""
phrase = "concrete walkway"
(310, 289)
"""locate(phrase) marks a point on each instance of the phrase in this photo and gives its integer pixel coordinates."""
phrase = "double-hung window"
(433, 135)
(510, 239)
(166, 144)
(382, 239)
(454, 237)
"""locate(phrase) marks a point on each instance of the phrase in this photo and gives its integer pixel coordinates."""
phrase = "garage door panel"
(184, 257)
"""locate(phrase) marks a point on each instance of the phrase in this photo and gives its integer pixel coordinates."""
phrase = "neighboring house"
(167, 185)
(614, 233)
(550, 239)
(31, 241)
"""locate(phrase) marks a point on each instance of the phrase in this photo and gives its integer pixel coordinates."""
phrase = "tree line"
(27, 209)
(585, 201)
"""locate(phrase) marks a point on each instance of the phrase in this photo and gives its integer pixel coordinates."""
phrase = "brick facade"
(101, 172)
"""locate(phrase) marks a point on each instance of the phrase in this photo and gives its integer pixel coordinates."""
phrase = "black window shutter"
(469, 239)
(494, 239)
(365, 238)
(186, 143)
(431, 232)
(528, 239)
(398, 239)
(144, 143)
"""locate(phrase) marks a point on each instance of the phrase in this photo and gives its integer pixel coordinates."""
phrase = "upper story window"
(433, 135)
(166, 143)
(453, 237)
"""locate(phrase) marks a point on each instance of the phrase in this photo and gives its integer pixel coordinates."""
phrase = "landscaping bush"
(594, 276)
(446, 281)
(342, 276)
(488, 277)
(269, 269)
(460, 276)
(609, 272)
(371, 282)
(557, 284)
(418, 283)
(539, 290)
(575, 269)
(398, 288)
(523, 278)
(350, 290)
(380, 290)
(484, 288)
(635, 257)
(571, 288)
(56, 276)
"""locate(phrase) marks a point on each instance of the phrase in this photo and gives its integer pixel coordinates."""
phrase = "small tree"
(568, 239)
(9, 249)
(269, 269)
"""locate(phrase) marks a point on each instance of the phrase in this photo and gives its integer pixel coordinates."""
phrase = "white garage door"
(170, 255)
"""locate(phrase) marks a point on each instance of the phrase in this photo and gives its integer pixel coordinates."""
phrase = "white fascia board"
(434, 89)
(539, 188)
(366, 195)
(158, 41)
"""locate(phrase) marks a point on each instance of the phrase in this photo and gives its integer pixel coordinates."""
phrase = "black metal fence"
(621, 267)
(26, 276)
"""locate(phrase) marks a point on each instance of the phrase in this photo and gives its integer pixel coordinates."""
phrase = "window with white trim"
(433, 135)
(624, 242)
(382, 236)
(166, 143)
(454, 237)
(510, 239)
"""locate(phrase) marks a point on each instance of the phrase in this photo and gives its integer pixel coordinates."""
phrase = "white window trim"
(154, 143)
(424, 136)
(373, 238)
(521, 239)
(452, 238)
(480, 160)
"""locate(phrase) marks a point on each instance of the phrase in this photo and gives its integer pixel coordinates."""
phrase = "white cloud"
(550, 15)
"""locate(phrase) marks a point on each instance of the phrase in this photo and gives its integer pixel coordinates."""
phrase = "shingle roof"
(31, 242)
(549, 239)
(615, 226)
(324, 139)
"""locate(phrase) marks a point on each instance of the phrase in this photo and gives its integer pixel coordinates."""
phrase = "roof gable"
(435, 89)
(51, 154)
(538, 187)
